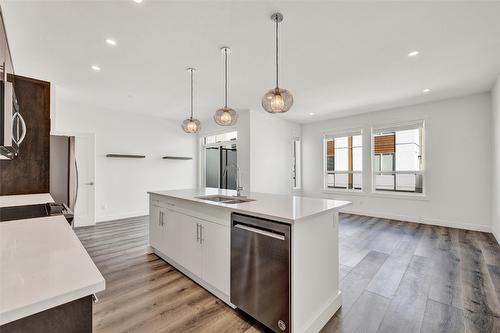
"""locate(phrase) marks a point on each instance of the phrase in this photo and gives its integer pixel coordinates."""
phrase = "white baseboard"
(496, 234)
(111, 217)
(422, 220)
(323, 316)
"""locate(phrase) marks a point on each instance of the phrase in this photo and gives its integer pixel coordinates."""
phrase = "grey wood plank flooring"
(442, 318)
(395, 277)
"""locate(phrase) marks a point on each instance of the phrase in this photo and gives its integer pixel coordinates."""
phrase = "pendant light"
(277, 100)
(225, 116)
(191, 125)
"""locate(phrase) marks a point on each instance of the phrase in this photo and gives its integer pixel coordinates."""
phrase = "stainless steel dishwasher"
(260, 270)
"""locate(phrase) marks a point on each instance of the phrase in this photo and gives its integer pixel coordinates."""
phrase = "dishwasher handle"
(260, 231)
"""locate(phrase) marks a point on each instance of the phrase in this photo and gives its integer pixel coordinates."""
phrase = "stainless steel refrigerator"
(63, 170)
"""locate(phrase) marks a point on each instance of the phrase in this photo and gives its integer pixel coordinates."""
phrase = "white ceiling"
(337, 58)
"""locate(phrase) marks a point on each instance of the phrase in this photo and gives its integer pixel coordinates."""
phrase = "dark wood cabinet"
(72, 317)
(29, 172)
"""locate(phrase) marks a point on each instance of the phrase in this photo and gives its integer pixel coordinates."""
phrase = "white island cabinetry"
(194, 236)
(199, 246)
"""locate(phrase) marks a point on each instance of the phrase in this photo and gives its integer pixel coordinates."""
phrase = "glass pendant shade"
(191, 125)
(277, 100)
(226, 117)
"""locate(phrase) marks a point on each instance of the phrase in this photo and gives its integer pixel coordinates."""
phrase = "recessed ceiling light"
(96, 68)
(111, 41)
(137, 1)
(426, 91)
(413, 54)
(311, 113)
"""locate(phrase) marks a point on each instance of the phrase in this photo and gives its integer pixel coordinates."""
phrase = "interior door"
(84, 164)
(216, 244)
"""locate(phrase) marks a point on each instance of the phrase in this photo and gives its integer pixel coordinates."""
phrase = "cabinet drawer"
(207, 212)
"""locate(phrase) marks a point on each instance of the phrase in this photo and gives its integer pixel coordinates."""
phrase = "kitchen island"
(236, 248)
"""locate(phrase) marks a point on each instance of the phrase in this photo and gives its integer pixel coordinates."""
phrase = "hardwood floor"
(395, 277)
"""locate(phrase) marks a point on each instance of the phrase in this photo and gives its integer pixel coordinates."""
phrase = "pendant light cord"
(225, 78)
(191, 93)
(277, 64)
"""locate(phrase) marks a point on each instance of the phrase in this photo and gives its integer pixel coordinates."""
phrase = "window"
(344, 161)
(230, 136)
(398, 158)
(296, 158)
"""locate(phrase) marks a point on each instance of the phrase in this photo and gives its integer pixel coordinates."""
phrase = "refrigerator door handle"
(77, 184)
(19, 140)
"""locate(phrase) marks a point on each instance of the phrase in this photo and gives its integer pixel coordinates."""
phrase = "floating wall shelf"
(125, 156)
(177, 158)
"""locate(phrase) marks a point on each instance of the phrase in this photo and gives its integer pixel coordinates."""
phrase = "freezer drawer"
(260, 270)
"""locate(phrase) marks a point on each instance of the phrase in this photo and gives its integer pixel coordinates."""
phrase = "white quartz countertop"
(42, 265)
(284, 208)
(24, 199)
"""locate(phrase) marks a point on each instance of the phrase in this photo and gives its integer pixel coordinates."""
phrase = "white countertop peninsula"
(283, 208)
(43, 264)
(220, 246)
(24, 199)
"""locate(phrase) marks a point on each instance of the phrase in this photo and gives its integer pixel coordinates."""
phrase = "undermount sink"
(225, 199)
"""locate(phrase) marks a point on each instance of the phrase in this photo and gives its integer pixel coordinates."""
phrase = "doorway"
(72, 168)
(220, 152)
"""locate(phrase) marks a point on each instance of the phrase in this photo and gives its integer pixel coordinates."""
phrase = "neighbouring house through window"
(397, 159)
(344, 161)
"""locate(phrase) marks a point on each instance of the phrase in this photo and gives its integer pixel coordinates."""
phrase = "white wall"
(271, 152)
(264, 150)
(458, 133)
(121, 184)
(496, 160)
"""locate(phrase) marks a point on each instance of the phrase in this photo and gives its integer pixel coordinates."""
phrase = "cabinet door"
(155, 227)
(190, 247)
(216, 244)
(173, 241)
(162, 246)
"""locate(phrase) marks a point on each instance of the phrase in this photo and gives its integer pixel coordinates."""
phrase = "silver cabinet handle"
(197, 233)
(94, 298)
(260, 231)
(201, 234)
(160, 219)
